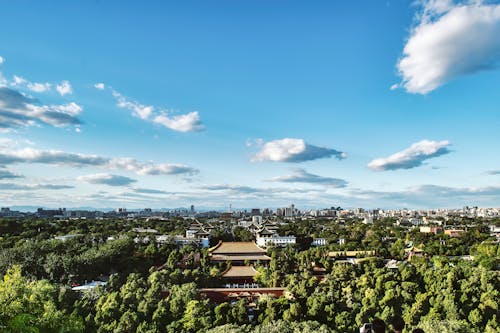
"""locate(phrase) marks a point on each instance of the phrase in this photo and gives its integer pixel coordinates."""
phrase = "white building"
(257, 219)
(275, 240)
(319, 242)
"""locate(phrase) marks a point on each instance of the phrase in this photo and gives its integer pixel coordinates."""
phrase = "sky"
(163, 104)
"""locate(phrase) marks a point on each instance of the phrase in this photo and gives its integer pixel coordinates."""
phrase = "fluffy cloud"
(450, 40)
(27, 187)
(189, 122)
(31, 155)
(19, 110)
(99, 86)
(38, 87)
(2, 60)
(55, 157)
(183, 123)
(107, 179)
(64, 88)
(302, 176)
(140, 111)
(294, 150)
(411, 157)
(165, 169)
(17, 81)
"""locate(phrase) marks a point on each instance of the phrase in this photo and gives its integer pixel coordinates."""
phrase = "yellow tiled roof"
(222, 257)
(237, 248)
(239, 271)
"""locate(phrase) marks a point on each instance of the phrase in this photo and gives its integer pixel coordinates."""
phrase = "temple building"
(238, 253)
(238, 278)
(241, 275)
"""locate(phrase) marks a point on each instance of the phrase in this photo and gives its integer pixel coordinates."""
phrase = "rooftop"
(239, 271)
(222, 257)
(236, 248)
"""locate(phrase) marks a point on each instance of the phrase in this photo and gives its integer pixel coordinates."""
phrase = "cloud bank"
(294, 151)
(412, 157)
(55, 157)
(6, 174)
(107, 179)
(450, 40)
(302, 176)
(28, 187)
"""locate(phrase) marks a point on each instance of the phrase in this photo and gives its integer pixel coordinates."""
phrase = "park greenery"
(153, 287)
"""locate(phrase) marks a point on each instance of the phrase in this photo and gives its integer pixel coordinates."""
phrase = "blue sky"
(252, 103)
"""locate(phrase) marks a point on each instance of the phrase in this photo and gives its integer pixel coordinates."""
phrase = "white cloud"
(411, 157)
(64, 88)
(188, 122)
(107, 179)
(18, 80)
(28, 187)
(18, 110)
(294, 150)
(38, 86)
(165, 169)
(71, 108)
(450, 40)
(141, 111)
(302, 176)
(183, 123)
(55, 157)
(2, 60)
(99, 86)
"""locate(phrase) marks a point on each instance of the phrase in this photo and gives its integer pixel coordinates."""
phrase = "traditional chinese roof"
(202, 232)
(239, 272)
(220, 257)
(236, 248)
(265, 231)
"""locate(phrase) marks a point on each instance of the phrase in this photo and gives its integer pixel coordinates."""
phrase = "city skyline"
(253, 104)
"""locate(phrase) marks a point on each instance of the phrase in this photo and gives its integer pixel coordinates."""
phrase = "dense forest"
(154, 287)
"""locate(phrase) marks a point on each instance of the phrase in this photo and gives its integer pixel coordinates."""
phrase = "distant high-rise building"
(289, 211)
